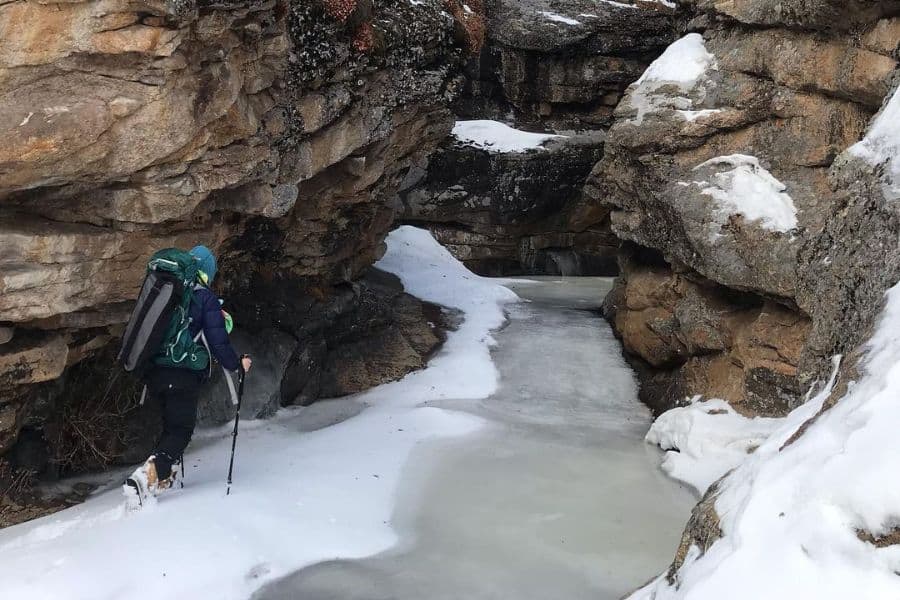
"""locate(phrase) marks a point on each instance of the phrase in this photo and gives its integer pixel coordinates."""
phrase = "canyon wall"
(724, 175)
(276, 132)
(545, 66)
(755, 195)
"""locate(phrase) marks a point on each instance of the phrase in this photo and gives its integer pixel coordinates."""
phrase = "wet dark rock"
(563, 65)
(514, 212)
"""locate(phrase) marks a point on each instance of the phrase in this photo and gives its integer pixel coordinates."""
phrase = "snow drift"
(299, 497)
(802, 516)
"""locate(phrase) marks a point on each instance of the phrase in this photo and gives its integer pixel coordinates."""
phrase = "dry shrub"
(16, 489)
(15, 483)
(92, 430)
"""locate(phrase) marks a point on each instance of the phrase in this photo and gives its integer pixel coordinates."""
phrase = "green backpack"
(158, 331)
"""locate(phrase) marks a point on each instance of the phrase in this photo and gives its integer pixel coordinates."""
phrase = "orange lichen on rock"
(470, 26)
(364, 37)
(339, 10)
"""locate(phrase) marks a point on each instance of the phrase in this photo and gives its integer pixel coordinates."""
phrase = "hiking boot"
(164, 484)
(142, 484)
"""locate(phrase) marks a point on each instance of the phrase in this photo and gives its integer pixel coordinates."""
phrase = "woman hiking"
(177, 387)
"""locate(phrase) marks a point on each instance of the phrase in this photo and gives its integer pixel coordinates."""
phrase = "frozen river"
(558, 498)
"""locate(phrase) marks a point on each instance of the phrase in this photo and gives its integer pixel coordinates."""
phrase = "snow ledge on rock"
(499, 138)
(881, 145)
(682, 66)
(750, 190)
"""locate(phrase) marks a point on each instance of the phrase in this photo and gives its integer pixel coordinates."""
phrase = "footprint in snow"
(257, 571)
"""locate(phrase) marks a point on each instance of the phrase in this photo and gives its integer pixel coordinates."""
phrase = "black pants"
(177, 391)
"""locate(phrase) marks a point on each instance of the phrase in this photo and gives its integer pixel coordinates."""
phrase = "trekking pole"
(237, 419)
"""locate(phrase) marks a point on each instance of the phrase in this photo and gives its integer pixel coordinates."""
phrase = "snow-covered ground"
(299, 496)
(798, 516)
(498, 137)
(705, 440)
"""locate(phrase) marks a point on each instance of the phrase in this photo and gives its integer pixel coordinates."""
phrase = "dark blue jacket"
(206, 314)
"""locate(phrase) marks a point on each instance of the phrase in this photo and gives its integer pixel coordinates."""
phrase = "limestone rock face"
(719, 343)
(275, 132)
(815, 14)
(763, 110)
(722, 162)
(565, 65)
(845, 271)
(514, 212)
(740, 307)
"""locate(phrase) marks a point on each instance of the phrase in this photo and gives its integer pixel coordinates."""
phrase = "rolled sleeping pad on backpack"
(151, 317)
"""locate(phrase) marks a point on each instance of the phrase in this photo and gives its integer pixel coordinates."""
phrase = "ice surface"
(881, 145)
(299, 496)
(792, 513)
(494, 136)
(557, 498)
(557, 490)
(750, 190)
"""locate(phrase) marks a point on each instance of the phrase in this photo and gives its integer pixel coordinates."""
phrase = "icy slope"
(795, 516)
(298, 498)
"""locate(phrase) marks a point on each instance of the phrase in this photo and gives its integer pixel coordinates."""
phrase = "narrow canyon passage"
(559, 497)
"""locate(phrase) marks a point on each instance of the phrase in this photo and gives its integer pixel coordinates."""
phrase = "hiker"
(177, 385)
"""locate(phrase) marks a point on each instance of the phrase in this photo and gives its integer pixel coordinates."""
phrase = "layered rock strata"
(722, 163)
(563, 65)
(505, 213)
(545, 66)
(275, 132)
